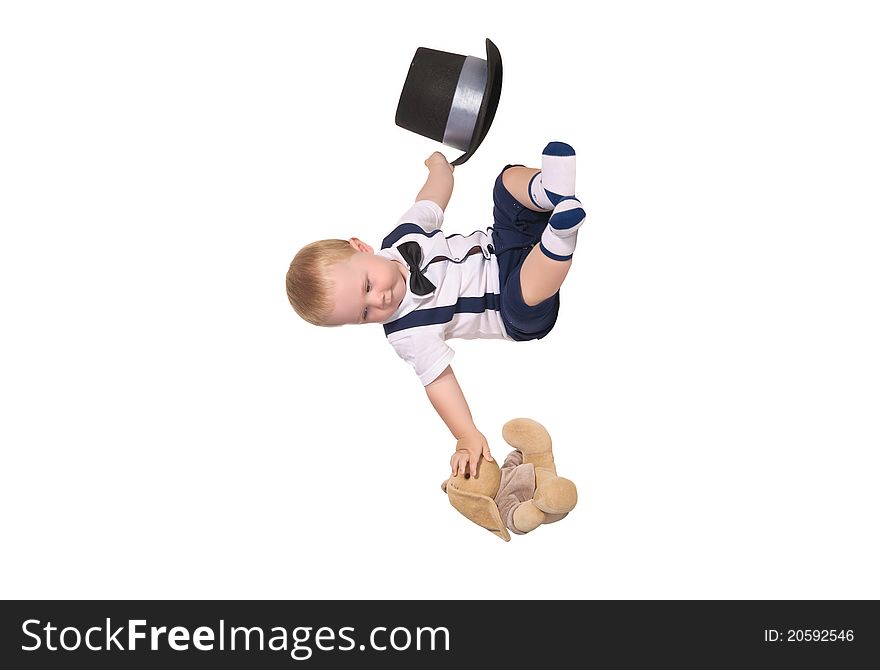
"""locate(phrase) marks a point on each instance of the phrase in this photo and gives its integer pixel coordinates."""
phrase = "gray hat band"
(466, 103)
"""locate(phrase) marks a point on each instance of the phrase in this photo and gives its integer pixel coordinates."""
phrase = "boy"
(425, 288)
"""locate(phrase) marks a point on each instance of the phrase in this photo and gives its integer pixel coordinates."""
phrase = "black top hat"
(451, 98)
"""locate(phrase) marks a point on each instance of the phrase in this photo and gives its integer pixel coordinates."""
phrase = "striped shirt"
(465, 302)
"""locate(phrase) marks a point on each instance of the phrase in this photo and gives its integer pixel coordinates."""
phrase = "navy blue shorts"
(517, 229)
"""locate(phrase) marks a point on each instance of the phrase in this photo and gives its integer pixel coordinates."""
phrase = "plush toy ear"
(480, 509)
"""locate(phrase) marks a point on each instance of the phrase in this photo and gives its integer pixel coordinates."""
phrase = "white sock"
(557, 177)
(560, 236)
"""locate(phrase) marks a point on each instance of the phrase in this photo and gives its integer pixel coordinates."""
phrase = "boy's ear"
(361, 246)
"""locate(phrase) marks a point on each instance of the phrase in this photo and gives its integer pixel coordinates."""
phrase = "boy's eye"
(364, 316)
(369, 286)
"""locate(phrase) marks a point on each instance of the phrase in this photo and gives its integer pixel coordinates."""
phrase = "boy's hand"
(467, 454)
(438, 160)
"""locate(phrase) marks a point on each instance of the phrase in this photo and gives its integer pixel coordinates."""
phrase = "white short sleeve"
(426, 214)
(425, 349)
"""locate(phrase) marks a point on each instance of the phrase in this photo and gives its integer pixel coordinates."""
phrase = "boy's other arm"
(447, 398)
(438, 185)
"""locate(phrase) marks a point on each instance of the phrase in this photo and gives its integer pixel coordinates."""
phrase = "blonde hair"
(309, 287)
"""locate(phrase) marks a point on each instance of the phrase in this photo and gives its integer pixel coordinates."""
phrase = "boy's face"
(366, 288)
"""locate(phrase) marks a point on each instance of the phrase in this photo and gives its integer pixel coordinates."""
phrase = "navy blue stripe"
(405, 229)
(550, 254)
(558, 149)
(435, 315)
(567, 219)
(529, 189)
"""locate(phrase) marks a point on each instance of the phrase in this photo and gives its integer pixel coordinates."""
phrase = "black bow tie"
(411, 253)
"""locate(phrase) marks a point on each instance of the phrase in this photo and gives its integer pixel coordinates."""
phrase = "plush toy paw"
(528, 516)
(558, 496)
(527, 436)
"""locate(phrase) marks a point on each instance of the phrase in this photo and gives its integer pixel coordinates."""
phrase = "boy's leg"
(541, 277)
(548, 264)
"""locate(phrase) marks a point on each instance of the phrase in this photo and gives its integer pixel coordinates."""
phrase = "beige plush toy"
(523, 493)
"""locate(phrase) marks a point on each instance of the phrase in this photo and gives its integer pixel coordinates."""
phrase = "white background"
(171, 429)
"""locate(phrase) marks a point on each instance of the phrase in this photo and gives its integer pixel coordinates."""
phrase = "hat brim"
(491, 96)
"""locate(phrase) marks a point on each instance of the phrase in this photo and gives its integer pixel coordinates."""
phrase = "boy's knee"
(504, 177)
(532, 298)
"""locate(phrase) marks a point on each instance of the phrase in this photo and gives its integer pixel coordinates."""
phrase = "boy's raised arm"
(446, 397)
(438, 186)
